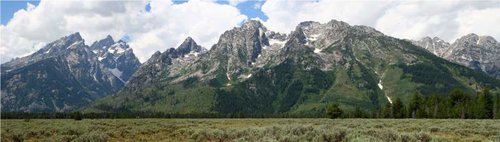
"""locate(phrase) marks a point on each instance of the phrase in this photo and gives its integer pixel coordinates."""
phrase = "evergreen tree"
(497, 106)
(433, 105)
(334, 111)
(416, 106)
(77, 116)
(484, 104)
(358, 113)
(387, 111)
(445, 107)
(398, 110)
(459, 101)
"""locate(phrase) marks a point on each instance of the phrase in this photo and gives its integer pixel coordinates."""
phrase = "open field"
(251, 130)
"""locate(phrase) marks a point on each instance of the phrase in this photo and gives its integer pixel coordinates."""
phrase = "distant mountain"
(116, 57)
(65, 75)
(254, 70)
(481, 53)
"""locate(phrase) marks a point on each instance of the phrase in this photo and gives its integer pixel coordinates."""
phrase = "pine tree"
(416, 106)
(484, 104)
(358, 113)
(387, 111)
(77, 116)
(334, 111)
(433, 105)
(398, 110)
(459, 101)
(497, 106)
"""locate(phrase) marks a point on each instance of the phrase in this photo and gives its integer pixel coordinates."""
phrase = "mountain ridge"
(476, 52)
(254, 70)
(65, 75)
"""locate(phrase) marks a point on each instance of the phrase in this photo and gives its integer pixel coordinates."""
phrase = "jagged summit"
(108, 41)
(476, 52)
(474, 39)
(73, 37)
(66, 74)
(67, 40)
(252, 24)
(308, 24)
(189, 45)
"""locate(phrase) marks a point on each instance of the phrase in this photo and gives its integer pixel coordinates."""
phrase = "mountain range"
(251, 69)
(66, 75)
(481, 53)
(254, 70)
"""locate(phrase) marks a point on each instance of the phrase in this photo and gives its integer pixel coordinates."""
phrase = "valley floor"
(250, 130)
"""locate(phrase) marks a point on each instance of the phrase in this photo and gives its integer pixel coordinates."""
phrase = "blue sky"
(249, 8)
(10, 7)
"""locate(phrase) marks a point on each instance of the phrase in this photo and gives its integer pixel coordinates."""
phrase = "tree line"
(129, 115)
(457, 104)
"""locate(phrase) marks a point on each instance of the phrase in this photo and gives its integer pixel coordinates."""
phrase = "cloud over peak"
(165, 24)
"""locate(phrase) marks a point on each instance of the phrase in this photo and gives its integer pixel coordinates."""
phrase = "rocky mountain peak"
(468, 40)
(476, 40)
(73, 37)
(336, 23)
(253, 24)
(434, 45)
(66, 41)
(474, 51)
(247, 40)
(117, 57)
(106, 42)
(319, 36)
(427, 39)
(189, 45)
(82, 74)
(308, 24)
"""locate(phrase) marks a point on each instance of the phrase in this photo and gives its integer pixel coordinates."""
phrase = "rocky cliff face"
(434, 45)
(62, 76)
(117, 57)
(253, 69)
(479, 53)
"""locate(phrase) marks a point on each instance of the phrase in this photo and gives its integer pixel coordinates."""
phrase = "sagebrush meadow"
(375, 130)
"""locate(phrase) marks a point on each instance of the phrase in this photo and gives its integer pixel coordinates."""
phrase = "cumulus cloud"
(403, 19)
(235, 2)
(167, 24)
(204, 21)
(164, 26)
(483, 22)
(284, 16)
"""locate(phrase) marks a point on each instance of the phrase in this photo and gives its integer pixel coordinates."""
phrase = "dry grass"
(384, 130)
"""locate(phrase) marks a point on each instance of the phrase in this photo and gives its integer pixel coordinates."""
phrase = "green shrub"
(76, 116)
(92, 137)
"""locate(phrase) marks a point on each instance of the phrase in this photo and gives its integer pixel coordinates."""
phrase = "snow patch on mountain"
(277, 42)
(317, 51)
(380, 85)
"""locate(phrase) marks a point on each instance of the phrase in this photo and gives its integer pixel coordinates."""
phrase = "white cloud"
(165, 26)
(482, 22)
(284, 16)
(236, 2)
(403, 19)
